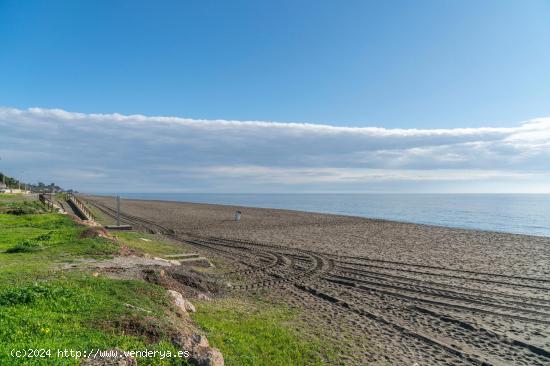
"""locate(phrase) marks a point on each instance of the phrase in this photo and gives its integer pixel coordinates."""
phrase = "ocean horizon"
(527, 214)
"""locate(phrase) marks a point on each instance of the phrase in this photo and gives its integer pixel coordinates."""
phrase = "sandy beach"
(391, 293)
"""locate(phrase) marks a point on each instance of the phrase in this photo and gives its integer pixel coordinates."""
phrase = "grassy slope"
(152, 244)
(44, 306)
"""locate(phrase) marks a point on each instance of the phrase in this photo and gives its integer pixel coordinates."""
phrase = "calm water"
(514, 213)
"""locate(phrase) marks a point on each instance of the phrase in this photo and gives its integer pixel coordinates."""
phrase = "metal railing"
(49, 203)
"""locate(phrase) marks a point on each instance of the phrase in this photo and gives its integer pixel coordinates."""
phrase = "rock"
(189, 306)
(200, 352)
(202, 296)
(112, 357)
(177, 299)
(196, 340)
(207, 357)
(183, 304)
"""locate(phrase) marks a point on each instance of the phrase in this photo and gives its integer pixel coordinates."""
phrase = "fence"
(49, 203)
(80, 206)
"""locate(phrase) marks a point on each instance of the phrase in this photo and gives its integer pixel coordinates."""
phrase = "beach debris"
(200, 352)
(238, 215)
(183, 304)
(112, 357)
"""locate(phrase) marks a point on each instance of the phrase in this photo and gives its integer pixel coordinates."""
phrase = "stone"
(183, 304)
(189, 306)
(207, 357)
(202, 296)
(200, 352)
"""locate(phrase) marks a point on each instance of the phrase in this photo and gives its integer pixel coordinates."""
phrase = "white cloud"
(343, 175)
(100, 151)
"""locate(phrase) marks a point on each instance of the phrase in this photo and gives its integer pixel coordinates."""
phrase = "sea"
(513, 213)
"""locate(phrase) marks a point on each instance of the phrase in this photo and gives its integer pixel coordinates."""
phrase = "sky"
(277, 96)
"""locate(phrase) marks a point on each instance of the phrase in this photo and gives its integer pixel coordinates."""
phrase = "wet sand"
(389, 292)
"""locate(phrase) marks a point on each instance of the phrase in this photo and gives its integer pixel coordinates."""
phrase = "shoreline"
(422, 293)
(374, 219)
(351, 235)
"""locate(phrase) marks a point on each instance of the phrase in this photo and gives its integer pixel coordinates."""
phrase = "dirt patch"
(126, 251)
(184, 280)
(94, 232)
(142, 326)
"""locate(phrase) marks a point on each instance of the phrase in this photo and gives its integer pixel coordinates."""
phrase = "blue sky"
(421, 64)
(424, 65)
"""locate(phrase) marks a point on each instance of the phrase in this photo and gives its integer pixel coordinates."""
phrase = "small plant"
(25, 247)
(30, 245)
(18, 211)
(43, 237)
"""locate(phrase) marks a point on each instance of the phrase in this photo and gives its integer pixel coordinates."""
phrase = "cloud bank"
(136, 153)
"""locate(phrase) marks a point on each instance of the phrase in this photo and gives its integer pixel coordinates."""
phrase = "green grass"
(251, 332)
(32, 245)
(42, 306)
(82, 313)
(100, 216)
(12, 197)
(153, 244)
(20, 206)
